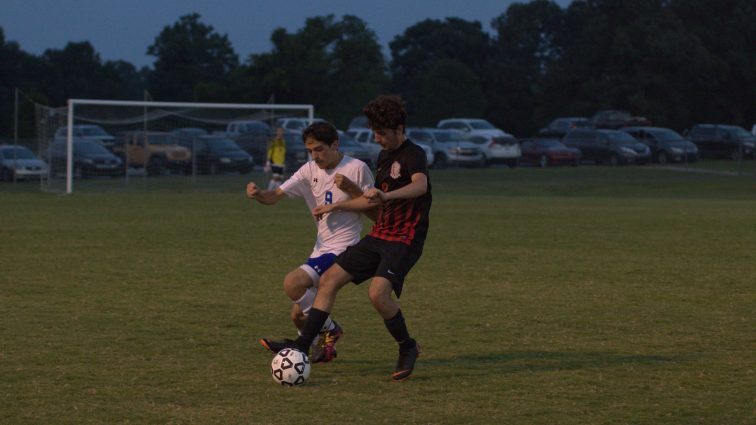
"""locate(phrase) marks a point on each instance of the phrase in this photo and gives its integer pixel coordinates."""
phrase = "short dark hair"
(321, 131)
(386, 112)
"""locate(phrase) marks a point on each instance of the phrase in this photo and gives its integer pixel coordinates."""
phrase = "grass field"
(559, 296)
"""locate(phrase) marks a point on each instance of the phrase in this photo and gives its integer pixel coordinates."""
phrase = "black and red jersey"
(402, 220)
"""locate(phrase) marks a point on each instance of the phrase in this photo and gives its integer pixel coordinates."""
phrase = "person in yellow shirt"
(276, 159)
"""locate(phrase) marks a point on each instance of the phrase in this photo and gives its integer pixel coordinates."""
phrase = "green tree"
(336, 65)
(449, 89)
(189, 53)
(723, 81)
(524, 48)
(13, 71)
(636, 55)
(422, 45)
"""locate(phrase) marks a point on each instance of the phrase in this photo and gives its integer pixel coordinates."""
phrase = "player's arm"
(417, 187)
(360, 204)
(353, 190)
(267, 197)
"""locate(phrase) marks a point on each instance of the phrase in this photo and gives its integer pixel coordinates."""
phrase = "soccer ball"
(290, 367)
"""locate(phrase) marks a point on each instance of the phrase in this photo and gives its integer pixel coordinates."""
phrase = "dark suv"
(722, 141)
(560, 126)
(666, 144)
(611, 146)
(614, 119)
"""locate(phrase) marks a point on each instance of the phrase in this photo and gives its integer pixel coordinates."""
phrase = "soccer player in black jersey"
(402, 195)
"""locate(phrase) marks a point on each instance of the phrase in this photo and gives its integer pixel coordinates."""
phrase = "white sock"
(305, 301)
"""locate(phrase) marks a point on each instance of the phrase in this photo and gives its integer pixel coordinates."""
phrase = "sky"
(123, 29)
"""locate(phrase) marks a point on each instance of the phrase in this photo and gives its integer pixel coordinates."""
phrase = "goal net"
(110, 144)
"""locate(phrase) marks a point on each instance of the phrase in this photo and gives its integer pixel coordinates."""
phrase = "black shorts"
(276, 169)
(376, 257)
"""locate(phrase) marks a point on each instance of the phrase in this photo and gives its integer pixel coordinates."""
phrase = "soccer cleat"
(325, 351)
(276, 346)
(406, 362)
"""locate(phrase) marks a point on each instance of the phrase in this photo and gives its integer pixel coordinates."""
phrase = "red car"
(546, 152)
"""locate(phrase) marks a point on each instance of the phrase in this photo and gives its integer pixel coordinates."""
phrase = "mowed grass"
(559, 296)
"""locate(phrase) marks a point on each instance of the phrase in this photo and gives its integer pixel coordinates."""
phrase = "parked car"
(496, 145)
(296, 152)
(18, 162)
(548, 152)
(155, 151)
(430, 158)
(360, 121)
(252, 136)
(560, 126)
(614, 119)
(472, 126)
(607, 146)
(184, 136)
(499, 149)
(666, 144)
(296, 125)
(89, 159)
(213, 154)
(348, 146)
(362, 135)
(722, 141)
(448, 146)
(90, 132)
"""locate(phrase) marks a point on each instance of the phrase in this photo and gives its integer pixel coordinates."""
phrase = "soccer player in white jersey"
(330, 177)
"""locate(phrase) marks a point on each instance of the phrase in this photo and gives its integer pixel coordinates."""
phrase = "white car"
(497, 145)
(18, 162)
(364, 136)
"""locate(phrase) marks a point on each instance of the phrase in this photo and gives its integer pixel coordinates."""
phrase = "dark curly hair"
(321, 131)
(386, 112)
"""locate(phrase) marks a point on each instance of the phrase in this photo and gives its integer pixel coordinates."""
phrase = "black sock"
(398, 329)
(315, 321)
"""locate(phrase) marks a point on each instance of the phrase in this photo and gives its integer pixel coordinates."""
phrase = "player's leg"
(332, 280)
(355, 264)
(397, 260)
(330, 283)
(384, 304)
(300, 287)
(276, 176)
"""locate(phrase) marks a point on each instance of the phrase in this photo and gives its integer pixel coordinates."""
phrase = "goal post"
(116, 118)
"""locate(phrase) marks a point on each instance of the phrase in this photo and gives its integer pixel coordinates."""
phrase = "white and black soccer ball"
(290, 367)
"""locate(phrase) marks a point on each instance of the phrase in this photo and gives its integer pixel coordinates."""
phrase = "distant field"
(587, 295)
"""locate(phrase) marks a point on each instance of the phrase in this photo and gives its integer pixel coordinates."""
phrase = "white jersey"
(340, 229)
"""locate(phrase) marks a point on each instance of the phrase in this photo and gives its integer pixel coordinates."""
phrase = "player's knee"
(378, 297)
(294, 286)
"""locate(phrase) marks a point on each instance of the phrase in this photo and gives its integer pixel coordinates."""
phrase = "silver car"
(450, 147)
(18, 162)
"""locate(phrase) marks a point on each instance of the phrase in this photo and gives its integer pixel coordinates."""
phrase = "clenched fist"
(345, 185)
(252, 190)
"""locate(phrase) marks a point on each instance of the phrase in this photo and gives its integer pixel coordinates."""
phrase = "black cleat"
(276, 346)
(406, 362)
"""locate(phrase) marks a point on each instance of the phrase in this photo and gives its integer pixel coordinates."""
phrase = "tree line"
(676, 62)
